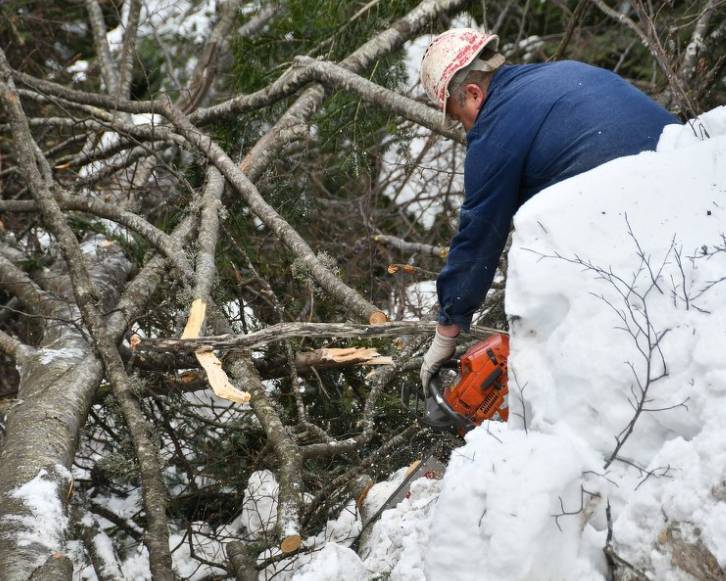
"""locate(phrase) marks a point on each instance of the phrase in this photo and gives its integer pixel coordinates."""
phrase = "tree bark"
(57, 384)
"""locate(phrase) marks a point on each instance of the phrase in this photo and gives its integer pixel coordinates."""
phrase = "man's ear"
(475, 93)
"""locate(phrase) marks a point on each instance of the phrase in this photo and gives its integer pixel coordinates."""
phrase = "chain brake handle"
(453, 420)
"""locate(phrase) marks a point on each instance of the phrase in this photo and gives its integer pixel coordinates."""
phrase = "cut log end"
(378, 318)
(290, 543)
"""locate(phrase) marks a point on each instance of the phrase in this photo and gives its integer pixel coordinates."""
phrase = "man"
(528, 127)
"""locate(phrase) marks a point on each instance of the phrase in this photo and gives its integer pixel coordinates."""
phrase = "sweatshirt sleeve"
(491, 182)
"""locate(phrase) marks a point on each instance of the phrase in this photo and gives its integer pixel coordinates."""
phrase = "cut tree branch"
(285, 331)
(405, 246)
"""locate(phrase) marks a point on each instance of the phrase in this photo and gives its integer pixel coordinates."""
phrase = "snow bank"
(494, 518)
(612, 287)
(398, 541)
(332, 563)
(259, 507)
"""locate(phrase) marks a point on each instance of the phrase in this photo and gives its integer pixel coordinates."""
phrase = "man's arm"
(448, 330)
(492, 179)
(492, 186)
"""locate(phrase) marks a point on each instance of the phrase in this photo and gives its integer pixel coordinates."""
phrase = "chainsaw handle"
(458, 422)
(406, 389)
(450, 364)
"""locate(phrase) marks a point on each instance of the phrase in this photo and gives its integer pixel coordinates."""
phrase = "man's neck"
(486, 81)
(484, 86)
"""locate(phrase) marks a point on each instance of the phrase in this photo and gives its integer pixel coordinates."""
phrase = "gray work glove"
(441, 350)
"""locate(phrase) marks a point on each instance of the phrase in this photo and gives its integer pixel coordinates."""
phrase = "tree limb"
(284, 331)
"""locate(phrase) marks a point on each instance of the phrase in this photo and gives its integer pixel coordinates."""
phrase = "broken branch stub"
(218, 380)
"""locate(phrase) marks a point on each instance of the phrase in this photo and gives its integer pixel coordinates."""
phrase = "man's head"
(455, 69)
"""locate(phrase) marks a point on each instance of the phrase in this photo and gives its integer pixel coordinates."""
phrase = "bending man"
(528, 127)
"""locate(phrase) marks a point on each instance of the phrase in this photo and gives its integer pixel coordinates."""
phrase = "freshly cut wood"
(291, 543)
(378, 318)
(196, 319)
(353, 355)
(218, 380)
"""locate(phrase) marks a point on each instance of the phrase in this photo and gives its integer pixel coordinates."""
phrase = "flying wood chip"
(407, 268)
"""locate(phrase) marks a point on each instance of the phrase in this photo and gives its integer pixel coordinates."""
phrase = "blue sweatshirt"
(540, 124)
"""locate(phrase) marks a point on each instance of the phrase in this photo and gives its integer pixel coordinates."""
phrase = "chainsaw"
(478, 394)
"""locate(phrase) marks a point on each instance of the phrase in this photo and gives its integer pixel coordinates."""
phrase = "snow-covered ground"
(616, 285)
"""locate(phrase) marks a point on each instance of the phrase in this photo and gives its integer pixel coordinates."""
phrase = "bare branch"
(126, 60)
(333, 75)
(577, 15)
(697, 44)
(14, 347)
(328, 280)
(284, 331)
(16, 282)
(650, 39)
(405, 246)
(204, 71)
(162, 241)
(299, 114)
(98, 27)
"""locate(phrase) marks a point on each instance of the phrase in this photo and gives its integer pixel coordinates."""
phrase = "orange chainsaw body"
(481, 393)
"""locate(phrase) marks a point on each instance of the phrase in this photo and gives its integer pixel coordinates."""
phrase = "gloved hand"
(441, 350)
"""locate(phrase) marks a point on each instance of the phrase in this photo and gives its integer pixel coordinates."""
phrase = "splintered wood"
(352, 355)
(218, 380)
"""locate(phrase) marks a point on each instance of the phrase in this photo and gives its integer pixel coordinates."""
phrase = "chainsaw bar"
(427, 463)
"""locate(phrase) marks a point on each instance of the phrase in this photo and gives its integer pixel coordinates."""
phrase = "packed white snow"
(259, 507)
(616, 285)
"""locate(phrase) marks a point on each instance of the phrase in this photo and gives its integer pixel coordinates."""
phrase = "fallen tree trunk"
(57, 386)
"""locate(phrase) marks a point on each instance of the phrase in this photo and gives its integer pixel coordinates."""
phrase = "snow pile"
(332, 563)
(613, 289)
(326, 555)
(398, 541)
(616, 291)
(259, 507)
(394, 546)
(497, 516)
